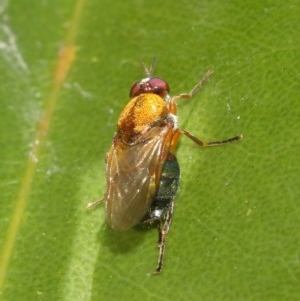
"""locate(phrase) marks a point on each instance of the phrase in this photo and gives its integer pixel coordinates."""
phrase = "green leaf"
(66, 71)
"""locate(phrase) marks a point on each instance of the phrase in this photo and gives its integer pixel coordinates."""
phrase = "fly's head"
(153, 85)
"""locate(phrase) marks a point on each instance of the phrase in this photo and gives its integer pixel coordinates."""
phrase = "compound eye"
(135, 89)
(159, 86)
(150, 85)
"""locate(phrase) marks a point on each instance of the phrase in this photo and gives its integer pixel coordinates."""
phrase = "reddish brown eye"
(150, 85)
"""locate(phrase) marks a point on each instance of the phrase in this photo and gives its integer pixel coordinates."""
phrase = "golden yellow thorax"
(140, 114)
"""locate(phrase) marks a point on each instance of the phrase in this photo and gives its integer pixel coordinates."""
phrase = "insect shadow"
(124, 242)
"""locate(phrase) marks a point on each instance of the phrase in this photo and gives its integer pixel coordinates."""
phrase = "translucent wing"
(132, 175)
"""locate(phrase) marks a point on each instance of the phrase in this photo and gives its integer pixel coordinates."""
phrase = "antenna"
(149, 71)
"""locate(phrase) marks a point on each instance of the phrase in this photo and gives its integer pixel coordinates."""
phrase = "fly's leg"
(213, 143)
(189, 135)
(163, 230)
(195, 89)
(201, 143)
(94, 204)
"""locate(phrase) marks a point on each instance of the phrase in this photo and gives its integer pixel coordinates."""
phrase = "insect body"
(142, 172)
(161, 209)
